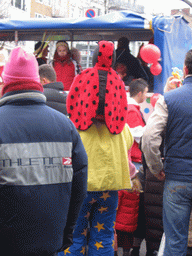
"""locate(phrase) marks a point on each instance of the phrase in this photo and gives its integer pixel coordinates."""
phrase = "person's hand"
(172, 83)
(137, 187)
(160, 175)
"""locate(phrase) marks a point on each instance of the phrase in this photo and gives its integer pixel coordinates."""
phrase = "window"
(38, 15)
(20, 4)
(45, 2)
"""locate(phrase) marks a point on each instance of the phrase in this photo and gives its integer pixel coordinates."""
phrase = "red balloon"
(156, 69)
(154, 98)
(150, 53)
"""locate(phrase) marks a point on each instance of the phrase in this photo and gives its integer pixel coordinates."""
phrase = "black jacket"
(56, 97)
(133, 65)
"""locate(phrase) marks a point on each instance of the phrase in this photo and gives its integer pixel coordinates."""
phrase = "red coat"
(127, 212)
(65, 71)
(135, 119)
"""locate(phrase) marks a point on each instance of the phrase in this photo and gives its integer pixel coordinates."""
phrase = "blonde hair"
(62, 43)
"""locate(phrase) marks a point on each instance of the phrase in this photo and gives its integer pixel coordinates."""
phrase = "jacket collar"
(21, 96)
(55, 85)
(188, 79)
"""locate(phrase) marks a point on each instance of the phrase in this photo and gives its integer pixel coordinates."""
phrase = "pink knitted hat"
(20, 66)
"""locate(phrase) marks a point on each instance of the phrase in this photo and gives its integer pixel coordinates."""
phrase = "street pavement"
(142, 250)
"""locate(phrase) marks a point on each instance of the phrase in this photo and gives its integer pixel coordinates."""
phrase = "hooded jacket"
(66, 69)
(43, 177)
(56, 97)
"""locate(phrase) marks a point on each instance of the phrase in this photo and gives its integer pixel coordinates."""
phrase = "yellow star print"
(83, 250)
(87, 216)
(84, 232)
(113, 244)
(93, 201)
(105, 196)
(103, 209)
(99, 226)
(67, 251)
(114, 224)
(98, 245)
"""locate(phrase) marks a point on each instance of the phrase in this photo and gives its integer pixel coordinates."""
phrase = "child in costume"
(97, 105)
(65, 67)
(127, 213)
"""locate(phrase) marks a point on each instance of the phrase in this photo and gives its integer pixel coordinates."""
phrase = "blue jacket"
(178, 141)
(43, 176)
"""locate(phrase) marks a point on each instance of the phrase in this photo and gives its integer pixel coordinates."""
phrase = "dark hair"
(136, 86)
(39, 44)
(188, 61)
(123, 42)
(48, 72)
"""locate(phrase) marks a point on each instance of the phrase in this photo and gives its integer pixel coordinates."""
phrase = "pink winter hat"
(20, 66)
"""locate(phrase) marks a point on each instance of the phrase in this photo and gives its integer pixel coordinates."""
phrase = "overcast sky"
(162, 6)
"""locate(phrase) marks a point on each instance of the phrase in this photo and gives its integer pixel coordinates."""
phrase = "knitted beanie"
(20, 66)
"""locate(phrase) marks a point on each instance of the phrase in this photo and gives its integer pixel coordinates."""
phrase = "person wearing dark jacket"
(41, 52)
(43, 177)
(124, 56)
(54, 91)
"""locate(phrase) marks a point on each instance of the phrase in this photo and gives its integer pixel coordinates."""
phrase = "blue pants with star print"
(97, 215)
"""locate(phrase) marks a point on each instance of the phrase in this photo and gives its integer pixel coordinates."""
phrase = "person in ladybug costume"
(97, 105)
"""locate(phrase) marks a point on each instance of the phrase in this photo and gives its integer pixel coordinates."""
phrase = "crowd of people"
(82, 172)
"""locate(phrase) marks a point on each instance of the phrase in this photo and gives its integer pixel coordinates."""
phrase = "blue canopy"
(108, 27)
(171, 34)
(174, 38)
